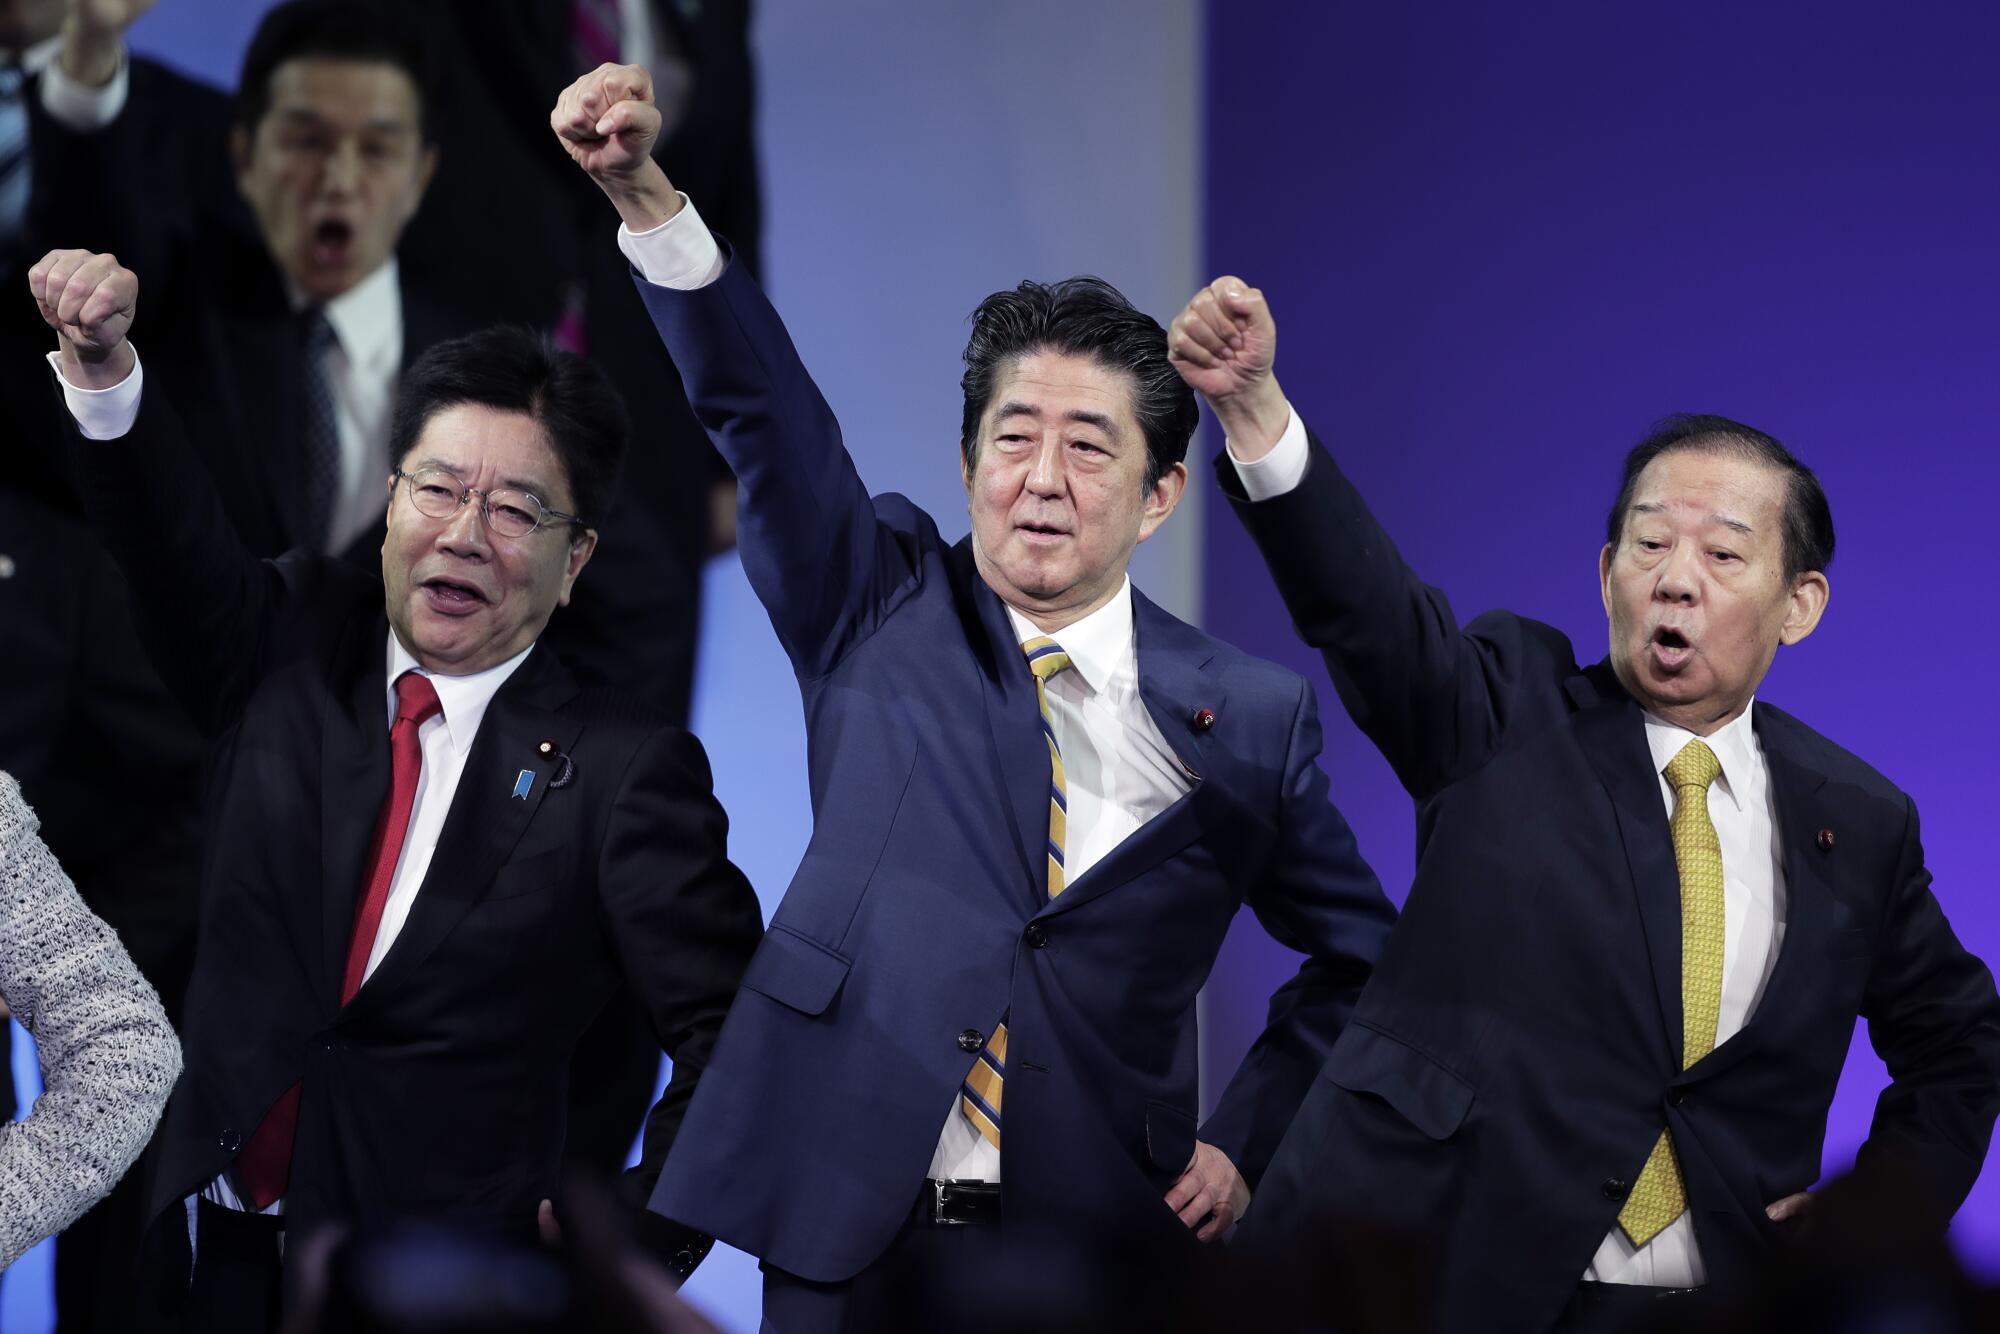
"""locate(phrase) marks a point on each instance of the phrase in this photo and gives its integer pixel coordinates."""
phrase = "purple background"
(1500, 243)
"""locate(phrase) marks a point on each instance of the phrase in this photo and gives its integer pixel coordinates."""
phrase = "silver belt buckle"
(940, 1190)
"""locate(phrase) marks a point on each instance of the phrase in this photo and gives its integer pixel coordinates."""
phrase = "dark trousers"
(238, 1281)
(1626, 1308)
(931, 1277)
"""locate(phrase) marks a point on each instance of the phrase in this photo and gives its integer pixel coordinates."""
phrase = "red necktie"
(264, 1168)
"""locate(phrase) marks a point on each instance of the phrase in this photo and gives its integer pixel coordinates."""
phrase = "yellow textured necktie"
(980, 1095)
(1659, 1197)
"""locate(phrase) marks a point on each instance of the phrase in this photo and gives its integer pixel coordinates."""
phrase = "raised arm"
(108, 1056)
(1433, 698)
(824, 567)
(204, 605)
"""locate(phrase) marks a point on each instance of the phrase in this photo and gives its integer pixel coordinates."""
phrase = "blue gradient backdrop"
(1501, 240)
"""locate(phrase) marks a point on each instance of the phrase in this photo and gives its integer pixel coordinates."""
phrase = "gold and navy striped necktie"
(1660, 1195)
(981, 1093)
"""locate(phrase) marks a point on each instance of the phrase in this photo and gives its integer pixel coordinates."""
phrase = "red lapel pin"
(1825, 840)
(1203, 719)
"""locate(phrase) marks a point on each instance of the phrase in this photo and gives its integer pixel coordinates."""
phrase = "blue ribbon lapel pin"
(524, 783)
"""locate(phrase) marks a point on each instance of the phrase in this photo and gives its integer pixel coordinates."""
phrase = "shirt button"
(1036, 935)
(971, 1040)
(1614, 1188)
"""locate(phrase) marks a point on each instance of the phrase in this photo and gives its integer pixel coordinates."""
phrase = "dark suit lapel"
(354, 782)
(1612, 734)
(1011, 714)
(1800, 815)
(486, 819)
(1174, 684)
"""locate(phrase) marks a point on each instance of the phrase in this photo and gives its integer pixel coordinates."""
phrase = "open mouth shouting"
(332, 243)
(452, 597)
(1671, 649)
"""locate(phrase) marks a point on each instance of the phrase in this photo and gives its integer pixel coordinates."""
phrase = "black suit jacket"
(1517, 1052)
(439, 1090)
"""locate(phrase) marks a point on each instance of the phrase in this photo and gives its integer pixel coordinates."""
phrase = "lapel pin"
(1203, 719)
(1825, 840)
(524, 783)
(565, 768)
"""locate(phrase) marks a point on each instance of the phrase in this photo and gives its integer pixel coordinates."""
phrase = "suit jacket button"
(971, 1040)
(1674, 1098)
(1614, 1188)
(1036, 935)
(229, 1141)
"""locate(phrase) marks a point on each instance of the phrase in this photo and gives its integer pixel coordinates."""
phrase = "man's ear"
(580, 549)
(1604, 575)
(1805, 606)
(1161, 500)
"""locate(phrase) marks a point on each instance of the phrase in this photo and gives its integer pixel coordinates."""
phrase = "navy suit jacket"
(1518, 1052)
(918, 912)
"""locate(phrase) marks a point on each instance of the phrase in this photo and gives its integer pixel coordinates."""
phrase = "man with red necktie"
(432, 855)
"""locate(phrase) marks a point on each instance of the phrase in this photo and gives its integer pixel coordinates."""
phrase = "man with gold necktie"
(1593, 1069)
(959, 1085)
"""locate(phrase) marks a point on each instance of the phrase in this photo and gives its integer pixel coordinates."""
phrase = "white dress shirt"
(1753, 892)
(1119, 769)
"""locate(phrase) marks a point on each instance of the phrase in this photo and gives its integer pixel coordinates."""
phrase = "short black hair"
(362, 30)
(1808, 520)
(515, 369)
(1081, 316)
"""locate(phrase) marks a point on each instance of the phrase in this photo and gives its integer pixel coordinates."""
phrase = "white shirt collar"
(1098, 644)
(367, 318)
(464, 698)
(1735, 747)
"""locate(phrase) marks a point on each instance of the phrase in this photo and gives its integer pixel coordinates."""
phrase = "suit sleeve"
(1934, 1019)
(205, 607)
(825, 569)
(682, 918)
(1434, 699)
(1317, 896)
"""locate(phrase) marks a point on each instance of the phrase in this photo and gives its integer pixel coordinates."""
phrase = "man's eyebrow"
(1083, 416)
(1733, 524)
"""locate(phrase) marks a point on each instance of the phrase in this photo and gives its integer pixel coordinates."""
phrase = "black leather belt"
(958, 1203)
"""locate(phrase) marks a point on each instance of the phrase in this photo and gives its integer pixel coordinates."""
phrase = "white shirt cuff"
(78, 107)
(1279, 471)
(680, 253)
(102, 414)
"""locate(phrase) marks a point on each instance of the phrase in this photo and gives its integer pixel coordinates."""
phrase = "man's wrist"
(645, 199)
(1253, 422)
(107, 371)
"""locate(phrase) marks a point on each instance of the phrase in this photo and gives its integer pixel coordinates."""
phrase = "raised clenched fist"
(88, 299)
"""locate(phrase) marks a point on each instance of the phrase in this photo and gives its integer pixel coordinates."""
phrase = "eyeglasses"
(508, 512)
